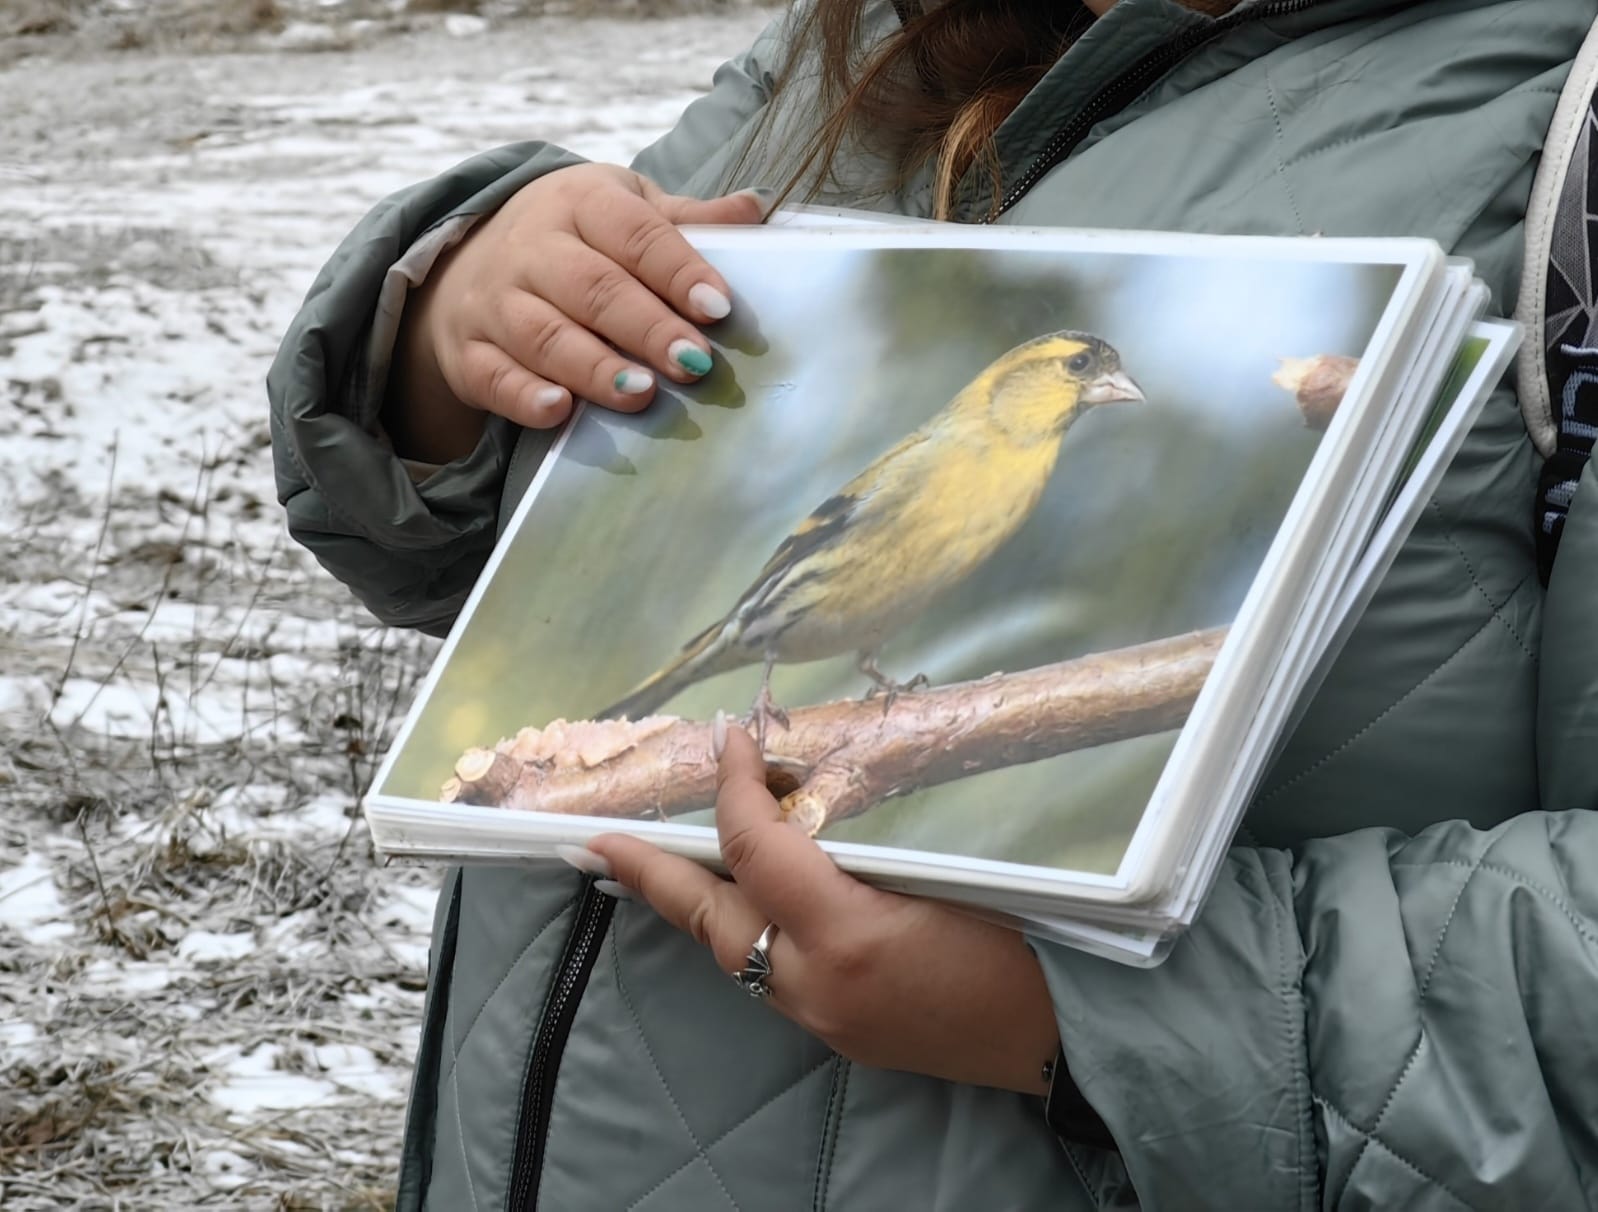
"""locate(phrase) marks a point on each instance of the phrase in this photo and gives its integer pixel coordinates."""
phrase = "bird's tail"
(708, 653)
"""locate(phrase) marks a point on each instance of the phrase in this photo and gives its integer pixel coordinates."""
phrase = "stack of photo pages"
(1022, 550)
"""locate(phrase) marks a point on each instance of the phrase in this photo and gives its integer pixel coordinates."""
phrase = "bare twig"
(88, 589)
(161, 595)
(115, 931)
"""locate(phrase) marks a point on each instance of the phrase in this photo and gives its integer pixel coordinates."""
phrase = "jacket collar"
(1115, 46)
(1119, 58)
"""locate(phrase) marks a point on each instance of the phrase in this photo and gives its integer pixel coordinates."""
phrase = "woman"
(1380, 1003)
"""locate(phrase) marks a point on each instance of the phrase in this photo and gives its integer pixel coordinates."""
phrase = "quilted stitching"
(701, 1149)
(638, 1025)
(489, 1019)
(460, 1128)
(836, 1097)
(456, 1045)
(1340, 750)
(1373, 1133)
(1073, 1154)
(726, 1133)
(1373, 1137)
(451, 1083)
(1295, 1031)
(1519, 879)
(1496, 607)
(1531, 89)
(1279, 142)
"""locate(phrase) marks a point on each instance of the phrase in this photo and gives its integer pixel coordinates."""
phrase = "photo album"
(1020, 550)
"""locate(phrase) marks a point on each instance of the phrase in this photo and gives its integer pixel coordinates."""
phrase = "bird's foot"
(890, 690)
(765, 710)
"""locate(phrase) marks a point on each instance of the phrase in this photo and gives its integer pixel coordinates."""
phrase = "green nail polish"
(691, 358)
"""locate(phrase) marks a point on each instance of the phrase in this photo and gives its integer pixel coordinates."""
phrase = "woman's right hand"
(514, 320)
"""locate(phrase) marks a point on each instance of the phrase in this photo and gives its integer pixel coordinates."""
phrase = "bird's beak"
(1107, 389)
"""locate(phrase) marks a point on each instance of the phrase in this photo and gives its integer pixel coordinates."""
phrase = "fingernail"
(585, 860)
(612, 889)
(710, 301)
(548, 398)
(632, 382)
(718, 735)
(765, 196)
(689, 356)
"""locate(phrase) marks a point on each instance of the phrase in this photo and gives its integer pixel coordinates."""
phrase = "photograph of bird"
(919, 520)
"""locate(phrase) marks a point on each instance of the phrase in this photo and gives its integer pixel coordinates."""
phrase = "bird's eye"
(1080, 363)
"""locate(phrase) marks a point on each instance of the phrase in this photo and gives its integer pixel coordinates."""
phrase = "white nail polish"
(612, 889)
(718, 735)
(633, 382)
(710, 301)
(549, 397)
(585, 860)
(764, 197)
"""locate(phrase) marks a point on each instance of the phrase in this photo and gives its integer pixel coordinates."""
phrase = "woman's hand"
(514, 320)
(890, 981)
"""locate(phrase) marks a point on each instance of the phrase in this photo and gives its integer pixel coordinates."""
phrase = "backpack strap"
(1558, 305)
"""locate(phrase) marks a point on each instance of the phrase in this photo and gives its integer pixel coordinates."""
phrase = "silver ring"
(754, 977)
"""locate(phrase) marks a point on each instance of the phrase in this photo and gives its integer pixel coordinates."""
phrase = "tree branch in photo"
(1317, 385)
(837, 760)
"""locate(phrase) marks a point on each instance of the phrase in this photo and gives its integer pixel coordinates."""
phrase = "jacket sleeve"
(1375, 1021)
(408, 540)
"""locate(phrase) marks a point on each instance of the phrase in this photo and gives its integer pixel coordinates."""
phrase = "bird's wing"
(785, 570)
(824, 525)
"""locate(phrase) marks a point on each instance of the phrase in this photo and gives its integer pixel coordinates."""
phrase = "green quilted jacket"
(1387, 1001)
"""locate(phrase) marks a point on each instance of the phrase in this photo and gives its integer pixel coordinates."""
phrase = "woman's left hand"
(890, 981)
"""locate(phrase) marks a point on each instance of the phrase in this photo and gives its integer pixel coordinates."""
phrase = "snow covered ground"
(208, 993)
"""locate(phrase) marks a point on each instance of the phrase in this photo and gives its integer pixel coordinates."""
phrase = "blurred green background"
(647, 528)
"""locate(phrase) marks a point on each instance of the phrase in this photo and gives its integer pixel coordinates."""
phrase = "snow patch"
(24, 696)
(105, 707)
(217, 711)
(255, 1083)
(410, 908)
(52, 599)
(31, 904)
(203, 947)
(356, 1069)
(226, 1169)
(263, 816)
(14, 1040)
(125, 978)
(464, 25)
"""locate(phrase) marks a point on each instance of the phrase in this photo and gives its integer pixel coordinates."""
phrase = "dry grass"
(122, 1042)
(32, 26)
(215, 919)
(35, 18)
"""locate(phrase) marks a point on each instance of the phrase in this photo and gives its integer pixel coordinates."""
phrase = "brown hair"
(935, 90)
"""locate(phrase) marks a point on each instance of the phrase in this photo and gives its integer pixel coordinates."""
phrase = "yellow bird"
(917, 521)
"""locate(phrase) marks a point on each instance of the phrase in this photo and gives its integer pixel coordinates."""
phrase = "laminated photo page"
(997, 539)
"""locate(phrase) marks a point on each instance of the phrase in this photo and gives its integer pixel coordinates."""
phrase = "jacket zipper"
(1126, 88)
(594, 911)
